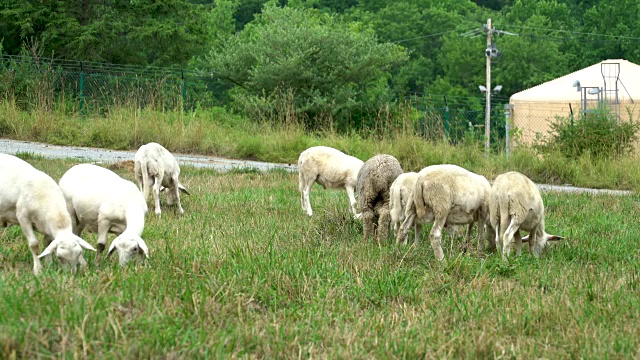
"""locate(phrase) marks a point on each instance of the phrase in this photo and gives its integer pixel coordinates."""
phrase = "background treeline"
(331, 60)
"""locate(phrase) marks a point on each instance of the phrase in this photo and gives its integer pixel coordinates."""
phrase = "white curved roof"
(561, 89)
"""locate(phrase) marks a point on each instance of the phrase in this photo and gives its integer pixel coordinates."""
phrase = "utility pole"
(487, 110)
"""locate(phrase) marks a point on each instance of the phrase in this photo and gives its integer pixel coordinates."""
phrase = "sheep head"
(68, 249)
(128, 245)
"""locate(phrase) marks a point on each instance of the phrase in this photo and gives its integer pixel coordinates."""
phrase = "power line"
(621, 37)
(424, 36)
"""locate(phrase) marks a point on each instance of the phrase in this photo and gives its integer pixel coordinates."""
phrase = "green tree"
(162, 32)
(332, 66)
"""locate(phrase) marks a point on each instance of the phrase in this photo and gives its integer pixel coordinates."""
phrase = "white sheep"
(401, 196)
(103, 202)
(515, 204)
(32, 199)
(449, 195)
(156, 169)
(331, 169)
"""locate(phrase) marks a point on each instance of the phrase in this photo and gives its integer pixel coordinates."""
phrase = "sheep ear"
(143, 247)
(85, 244)
(183, 189)
(112, 247)
(50, 249)
(554, 237)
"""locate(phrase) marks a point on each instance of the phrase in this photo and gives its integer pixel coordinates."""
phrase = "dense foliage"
(554, 37)
(333, 59)
(600, 134)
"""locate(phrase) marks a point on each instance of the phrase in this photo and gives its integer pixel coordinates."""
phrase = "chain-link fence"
(91, 87)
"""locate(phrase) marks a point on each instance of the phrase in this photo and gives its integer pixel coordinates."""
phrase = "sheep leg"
(401, 235)
(103, 230)
(176, 192)
(384, 221)
(305, 190)
(498, 239)
(156, 195)
(538, 242)
(417, 227)
(367, 219)
(352, 202)
(490, 236)
(518, 241)
(28, 232)
(507, 240)
(480, 237)
(436, 236)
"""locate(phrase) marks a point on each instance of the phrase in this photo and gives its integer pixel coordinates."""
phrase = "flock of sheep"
(93, 198)
(444, 195)
(87, 197)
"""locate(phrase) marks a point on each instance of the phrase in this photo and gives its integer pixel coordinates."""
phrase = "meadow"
(244, 273)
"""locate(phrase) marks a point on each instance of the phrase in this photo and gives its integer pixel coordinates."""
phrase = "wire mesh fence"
(91, 87)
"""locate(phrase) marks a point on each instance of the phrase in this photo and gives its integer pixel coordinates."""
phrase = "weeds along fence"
(33, 83)
(38, 82)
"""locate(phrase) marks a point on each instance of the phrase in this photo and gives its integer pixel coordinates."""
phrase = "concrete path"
(200, 161)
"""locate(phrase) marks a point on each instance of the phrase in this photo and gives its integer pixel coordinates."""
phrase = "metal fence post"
(508, 108)
(81, 87)
(184, 93)
(446, 118)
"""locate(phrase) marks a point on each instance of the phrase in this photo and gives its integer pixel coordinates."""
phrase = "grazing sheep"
(32, 199)
(331, 169)
(155, 167)
(449, 195)
(373, 186)
(103, 202)
(401, 196)
(515, 204)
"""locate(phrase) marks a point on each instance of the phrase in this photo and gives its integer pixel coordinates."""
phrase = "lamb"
(515, 204)
(32, 199)
(156, 167)
(331, 169)
(401, 196)
(103, 202)
(373, 187)
(449, 195)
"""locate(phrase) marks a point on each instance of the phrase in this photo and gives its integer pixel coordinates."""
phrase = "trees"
(333, 67)
(146, 32)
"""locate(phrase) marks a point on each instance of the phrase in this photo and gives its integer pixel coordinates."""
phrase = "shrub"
(599, 133)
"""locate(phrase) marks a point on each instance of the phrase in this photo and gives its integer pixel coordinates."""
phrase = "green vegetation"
(244, 273)
(216, 132)
(600, 134)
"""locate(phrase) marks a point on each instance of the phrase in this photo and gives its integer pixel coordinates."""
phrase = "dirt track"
(220, 164)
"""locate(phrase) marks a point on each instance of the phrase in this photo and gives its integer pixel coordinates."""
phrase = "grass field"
(244, 273)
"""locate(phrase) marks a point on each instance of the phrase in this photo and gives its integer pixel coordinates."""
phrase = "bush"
(600, 134)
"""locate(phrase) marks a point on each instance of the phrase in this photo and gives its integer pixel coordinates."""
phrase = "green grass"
(218, 132)
(244, 273)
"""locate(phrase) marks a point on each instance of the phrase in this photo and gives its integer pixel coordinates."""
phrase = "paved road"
(220, 164)
(105, 155)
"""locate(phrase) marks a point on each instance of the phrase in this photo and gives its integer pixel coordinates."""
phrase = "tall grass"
(244, 273)
(219, 132)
